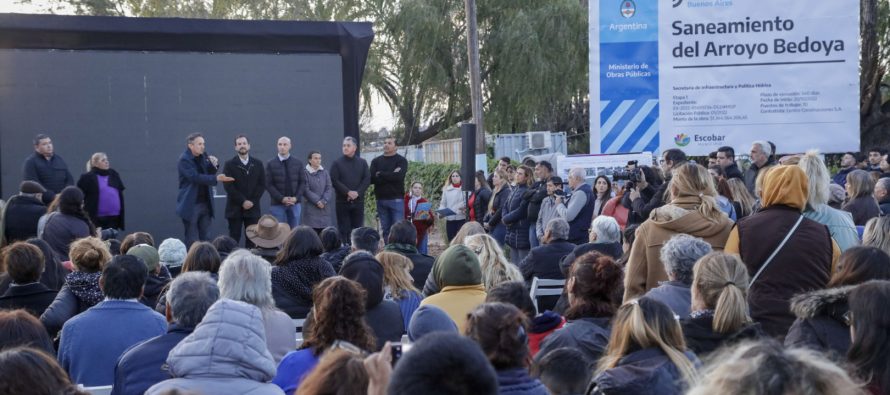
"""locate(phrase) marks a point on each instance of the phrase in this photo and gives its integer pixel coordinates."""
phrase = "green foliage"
(432, 176)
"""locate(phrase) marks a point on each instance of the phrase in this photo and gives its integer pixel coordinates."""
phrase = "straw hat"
(268, 233)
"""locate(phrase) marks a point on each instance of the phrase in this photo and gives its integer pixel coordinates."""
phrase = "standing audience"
(421, 218)
(500, 194)
(68, 224)
(860, 197)
(454, 199)
(350, 177)
(388, 177)
(581, 206)
(103, 193)
(692, 210)
(515, 216)
(47, 168)
(781, 269)
(286, 183)
(318, 196)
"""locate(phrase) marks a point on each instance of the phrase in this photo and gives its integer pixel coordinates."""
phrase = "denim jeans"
(390, 212)
(196, 227)
(286, 214)
(533, 236)
(423, 247)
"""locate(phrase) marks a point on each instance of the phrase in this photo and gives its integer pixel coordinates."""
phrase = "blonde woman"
(496, 269)
(719, 308)
(861, 204)
(742, 200)
(646, 353)
(398, 284)
(468, 229)
(692, 210)
(81, 291)
(877, 233)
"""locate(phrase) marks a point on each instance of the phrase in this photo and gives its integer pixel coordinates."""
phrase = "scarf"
(311, 170)
(101, 172)
(456, 185)
(396, 247)
(85, 286)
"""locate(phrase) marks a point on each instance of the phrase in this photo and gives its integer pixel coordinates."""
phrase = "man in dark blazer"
(194, 203)
(243, 202)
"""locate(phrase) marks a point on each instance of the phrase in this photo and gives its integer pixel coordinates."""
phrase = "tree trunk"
(874, 124)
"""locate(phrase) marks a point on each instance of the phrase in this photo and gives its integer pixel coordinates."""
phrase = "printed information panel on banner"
(725, 73)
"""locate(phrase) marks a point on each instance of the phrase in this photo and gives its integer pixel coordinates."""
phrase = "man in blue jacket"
(142, 366)
(47, 168)
(197, 173)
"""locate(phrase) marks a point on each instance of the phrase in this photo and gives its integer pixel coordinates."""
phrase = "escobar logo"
(681, 140)
(628, 8)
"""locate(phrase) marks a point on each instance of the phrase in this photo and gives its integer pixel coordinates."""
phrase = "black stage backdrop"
(135, 87)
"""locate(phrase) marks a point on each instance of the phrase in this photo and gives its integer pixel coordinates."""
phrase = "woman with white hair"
(248, 278)
(605, 238)
(543, 261)
(840, 223)
(679, 255)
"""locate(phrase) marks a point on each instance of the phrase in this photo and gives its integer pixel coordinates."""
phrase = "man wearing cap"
(243, 194)
(158, 277)
(46, 168)
(268, 235)
(21, 213)
(552, 206)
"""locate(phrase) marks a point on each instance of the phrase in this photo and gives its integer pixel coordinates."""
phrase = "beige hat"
(268, 233)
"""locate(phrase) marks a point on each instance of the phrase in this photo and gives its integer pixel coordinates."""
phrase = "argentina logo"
(628, 8)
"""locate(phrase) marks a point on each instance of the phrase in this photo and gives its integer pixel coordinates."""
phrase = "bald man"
(285, 183)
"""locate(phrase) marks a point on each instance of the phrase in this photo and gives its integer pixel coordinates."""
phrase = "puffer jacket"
(226, 354)
(516, 218)
(820, 323)
(840, 225)
(647, 371)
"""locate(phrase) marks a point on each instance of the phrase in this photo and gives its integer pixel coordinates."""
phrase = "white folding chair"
(545, 287)
(298, 326)
(101, 390)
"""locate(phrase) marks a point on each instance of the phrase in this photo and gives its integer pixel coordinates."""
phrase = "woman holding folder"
(453, 206)
(419, 211)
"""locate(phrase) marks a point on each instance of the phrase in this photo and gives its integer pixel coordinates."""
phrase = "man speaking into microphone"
(194, 203)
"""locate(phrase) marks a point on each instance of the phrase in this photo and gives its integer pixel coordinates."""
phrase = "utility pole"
(475, 78)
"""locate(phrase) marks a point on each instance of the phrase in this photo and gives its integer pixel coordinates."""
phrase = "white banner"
(725, 72)
(596, 165)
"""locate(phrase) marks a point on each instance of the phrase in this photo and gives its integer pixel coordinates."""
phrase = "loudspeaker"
(468, 156)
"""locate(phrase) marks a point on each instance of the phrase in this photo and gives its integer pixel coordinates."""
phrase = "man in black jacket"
(351, 177)
(243, 194)
(22, 212)
(726, 160)
(388, 176)
(670, 160)
(536, 195)
(285, 182)
(47, 168)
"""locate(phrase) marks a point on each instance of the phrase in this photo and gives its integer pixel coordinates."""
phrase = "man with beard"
(243, 194)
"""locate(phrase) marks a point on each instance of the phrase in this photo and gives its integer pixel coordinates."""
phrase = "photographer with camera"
(534, 196)
(643, 196)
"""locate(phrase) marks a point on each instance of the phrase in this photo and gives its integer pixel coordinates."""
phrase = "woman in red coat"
(419, 211)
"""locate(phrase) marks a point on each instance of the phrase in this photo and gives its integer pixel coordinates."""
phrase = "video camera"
(631, 175)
